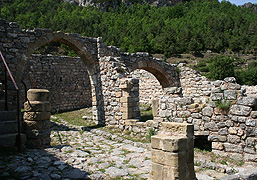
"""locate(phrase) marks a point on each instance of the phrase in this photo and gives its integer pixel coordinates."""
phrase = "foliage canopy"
(189, 26)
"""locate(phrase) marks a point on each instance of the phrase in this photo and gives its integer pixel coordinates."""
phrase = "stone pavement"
(81, 154)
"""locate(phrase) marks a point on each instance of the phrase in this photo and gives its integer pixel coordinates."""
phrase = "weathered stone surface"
(207, 111)
(108, 66)
(178, 128)
(172, 90)
(37, 116)
(217, 83)
(240, 110)
(211, 126)
(114, 171)
(223, 131)
(230, 79)
(155, 107)
(37, 106)
(217, 96)
(233, 148)
(247, 101)
(233, 139)
(250, 122)
(254, 114)
(38, 95)
(169, 143)
(172, 156)
(30, 125)
(230, 94)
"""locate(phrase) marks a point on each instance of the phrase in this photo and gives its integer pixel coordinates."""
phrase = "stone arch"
(68, 39)
(76, 43)
(162, 75)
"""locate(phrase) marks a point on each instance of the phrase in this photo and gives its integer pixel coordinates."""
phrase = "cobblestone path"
(80, 154)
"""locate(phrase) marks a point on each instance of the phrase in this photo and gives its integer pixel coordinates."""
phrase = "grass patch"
(132, 166)
(102, 170)
(74, 117)
(150, 133)
(225, 160)
(127, 135)
(146, 114)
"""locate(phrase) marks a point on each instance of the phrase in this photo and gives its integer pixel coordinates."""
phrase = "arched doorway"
(81, 49)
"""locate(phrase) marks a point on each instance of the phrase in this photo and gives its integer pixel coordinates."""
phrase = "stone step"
(7, 127)
(8, 115)
(8, 140)
(2, 106)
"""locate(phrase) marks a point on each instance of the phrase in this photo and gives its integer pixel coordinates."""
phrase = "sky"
(241, 2)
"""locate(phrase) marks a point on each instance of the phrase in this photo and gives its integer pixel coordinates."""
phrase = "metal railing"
(18, 137)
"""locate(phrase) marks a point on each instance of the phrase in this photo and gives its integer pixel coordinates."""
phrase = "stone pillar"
(173, 152)
(130, 99)
(37, 118)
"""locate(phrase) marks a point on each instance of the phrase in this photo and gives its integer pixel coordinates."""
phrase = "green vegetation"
(146, 113)
(219, 67)
(73, 117)
(225, 160)
(223, 105)
(150, 133)
(187, 27)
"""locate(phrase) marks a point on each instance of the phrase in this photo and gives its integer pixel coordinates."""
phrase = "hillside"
(194, 27)
(189, 26)
(105, 4)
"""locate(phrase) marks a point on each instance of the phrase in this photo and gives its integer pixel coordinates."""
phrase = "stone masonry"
(37, 118)
(65, 77)
(219, 110)
(173, 153)
(129, 99)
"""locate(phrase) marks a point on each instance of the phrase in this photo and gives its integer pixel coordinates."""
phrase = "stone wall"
(113, 71)
(219, 111)
(187, 96)
(149, 86)
(68, 81)
(65, 77)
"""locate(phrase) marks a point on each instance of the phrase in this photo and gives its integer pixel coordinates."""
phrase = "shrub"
(150, 133)
(221, 67)
(223, 105)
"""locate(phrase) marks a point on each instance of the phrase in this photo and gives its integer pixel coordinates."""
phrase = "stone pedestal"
(37, 118)
(173, 153)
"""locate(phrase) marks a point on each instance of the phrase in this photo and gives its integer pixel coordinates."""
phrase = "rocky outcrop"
(105, 4)
(251, 6)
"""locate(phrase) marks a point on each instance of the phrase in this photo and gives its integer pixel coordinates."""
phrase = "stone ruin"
(184, 97)
(173, 152)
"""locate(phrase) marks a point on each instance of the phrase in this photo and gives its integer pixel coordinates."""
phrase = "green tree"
(221, 67)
